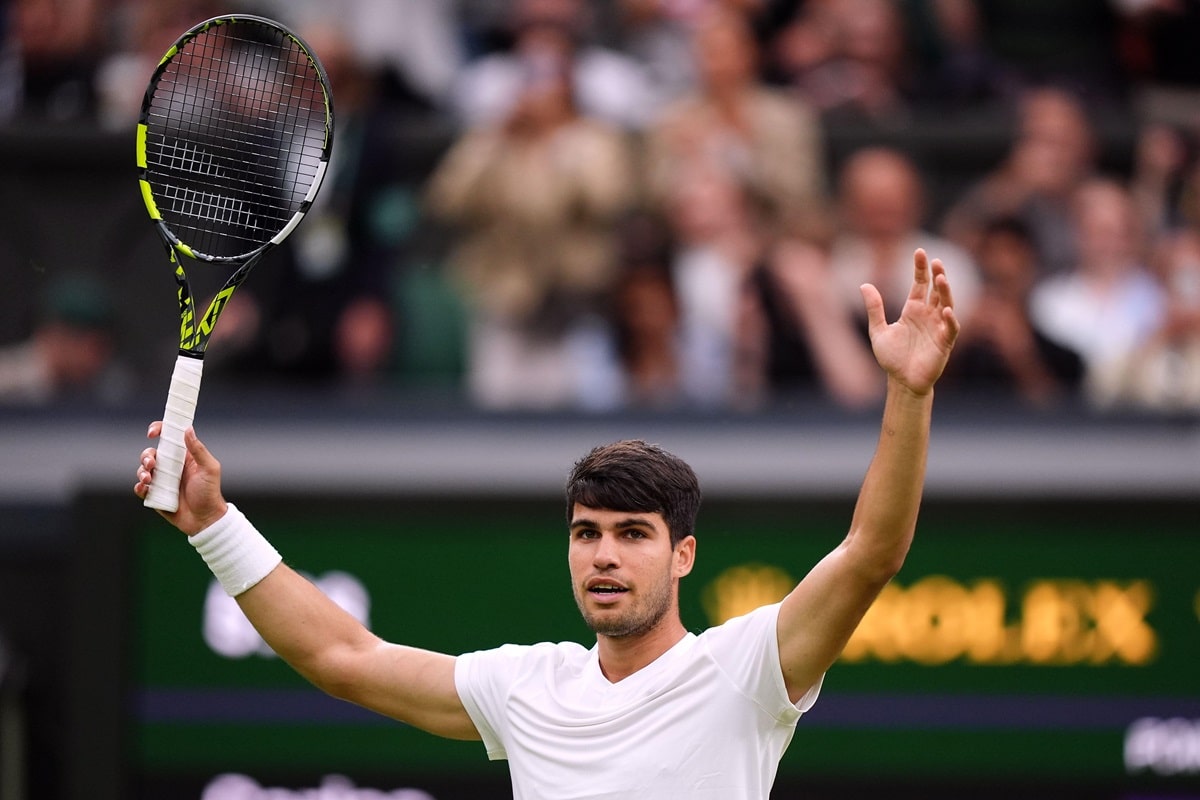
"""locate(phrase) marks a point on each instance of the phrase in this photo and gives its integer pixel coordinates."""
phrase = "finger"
(941, 285)
(876, 316)
(155, 430)
(936, 270)
(144, 478)
(953, 326)
(921, 275)
(145, 469)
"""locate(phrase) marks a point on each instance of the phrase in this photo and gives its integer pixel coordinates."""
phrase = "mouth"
(605, 591)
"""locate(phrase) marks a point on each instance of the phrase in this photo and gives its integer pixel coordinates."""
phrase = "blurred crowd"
(638, 204)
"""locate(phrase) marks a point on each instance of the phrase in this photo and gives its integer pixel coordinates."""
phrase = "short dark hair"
(631, 475)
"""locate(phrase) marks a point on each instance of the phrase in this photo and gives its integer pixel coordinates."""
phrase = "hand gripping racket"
(235, 134)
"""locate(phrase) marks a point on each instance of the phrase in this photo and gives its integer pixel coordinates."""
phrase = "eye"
(634, 533)
(586, 533)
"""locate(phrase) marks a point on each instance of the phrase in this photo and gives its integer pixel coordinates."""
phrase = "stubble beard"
(632, 622)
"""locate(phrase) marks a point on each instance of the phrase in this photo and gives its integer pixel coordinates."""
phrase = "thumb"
(199, 453)
(876, 316)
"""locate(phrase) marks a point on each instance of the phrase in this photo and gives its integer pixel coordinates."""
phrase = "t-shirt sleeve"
(483, 680)
(746, 648)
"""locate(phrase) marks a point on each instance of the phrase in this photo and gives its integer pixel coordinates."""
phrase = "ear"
(684, 556)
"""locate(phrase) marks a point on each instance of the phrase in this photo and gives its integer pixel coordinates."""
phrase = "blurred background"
(551, 223)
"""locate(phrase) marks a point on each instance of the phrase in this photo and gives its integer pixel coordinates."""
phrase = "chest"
(683, 737)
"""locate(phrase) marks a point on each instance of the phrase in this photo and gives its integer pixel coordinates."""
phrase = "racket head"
(234, 137)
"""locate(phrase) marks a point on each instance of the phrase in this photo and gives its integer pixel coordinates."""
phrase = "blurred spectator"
(850, 59)
(813, 344)
(1166, 175)
(658, 33)
(1066, 42)
(808, 38)
(646, 317)
(1157, 39)
(1002, 354)
(1053, 152)
(1109, 304)
(321, 307)
(72, 354)
(757, 137)
(1160, 169)
(881, 206)
(536, 197)
(957, 67)
(57, 45)
(758, 315)
(414, 47)
(1163, 373)
(141, 34)
(718, 245)
(485, 25)
(607, 85)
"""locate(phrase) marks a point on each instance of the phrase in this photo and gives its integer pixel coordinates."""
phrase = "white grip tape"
(180, 411)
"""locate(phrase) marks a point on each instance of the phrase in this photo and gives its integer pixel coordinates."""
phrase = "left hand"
(914, 349)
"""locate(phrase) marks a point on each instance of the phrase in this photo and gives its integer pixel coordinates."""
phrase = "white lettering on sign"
(333, 787)
(1163, 746)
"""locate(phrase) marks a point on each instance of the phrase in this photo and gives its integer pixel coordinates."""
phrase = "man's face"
(624, 572)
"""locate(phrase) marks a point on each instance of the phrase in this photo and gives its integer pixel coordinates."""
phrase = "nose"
(606, 554)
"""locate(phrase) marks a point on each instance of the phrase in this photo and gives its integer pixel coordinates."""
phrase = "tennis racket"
(233, 140)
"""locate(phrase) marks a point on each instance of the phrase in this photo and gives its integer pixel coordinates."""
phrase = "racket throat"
(190, 339)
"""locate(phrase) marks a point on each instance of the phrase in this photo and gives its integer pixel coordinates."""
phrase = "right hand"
(200, 500)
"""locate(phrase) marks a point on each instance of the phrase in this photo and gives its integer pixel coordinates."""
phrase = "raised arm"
(819, 615)
(305, 628)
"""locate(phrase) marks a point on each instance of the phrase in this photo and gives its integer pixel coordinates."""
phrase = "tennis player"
(652, 710)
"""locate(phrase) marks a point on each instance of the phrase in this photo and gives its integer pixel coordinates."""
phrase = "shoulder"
(758, 623)
(745, 650)
(496, 671)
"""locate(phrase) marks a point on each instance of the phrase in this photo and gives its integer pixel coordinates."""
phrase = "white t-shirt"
(710, 718)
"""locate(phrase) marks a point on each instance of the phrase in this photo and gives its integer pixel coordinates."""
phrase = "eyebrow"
(628, 522)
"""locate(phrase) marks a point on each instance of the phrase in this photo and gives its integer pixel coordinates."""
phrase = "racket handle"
(181, 409)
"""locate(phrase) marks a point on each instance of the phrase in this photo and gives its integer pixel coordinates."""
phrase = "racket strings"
(236, 133)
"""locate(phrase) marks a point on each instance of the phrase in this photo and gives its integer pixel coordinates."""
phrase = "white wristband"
(238, 555)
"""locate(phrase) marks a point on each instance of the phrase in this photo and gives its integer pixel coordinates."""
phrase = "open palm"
(914, 349)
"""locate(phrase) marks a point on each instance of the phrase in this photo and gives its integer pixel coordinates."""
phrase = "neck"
(621, 656)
